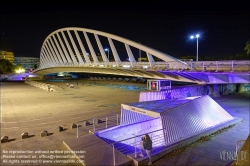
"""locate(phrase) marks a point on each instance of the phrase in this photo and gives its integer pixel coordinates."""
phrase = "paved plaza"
(26, 108)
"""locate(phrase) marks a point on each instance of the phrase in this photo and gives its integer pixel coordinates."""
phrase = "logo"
(238, 154)
(138, 110)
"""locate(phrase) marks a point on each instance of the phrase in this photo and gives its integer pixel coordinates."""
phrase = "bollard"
(74, 126)
(60, 128)
(4, 139)
(44, 133)
(77, 130)
(25, 135)
(94, 125)
(87, 123)
(101, 121)
(106, 122)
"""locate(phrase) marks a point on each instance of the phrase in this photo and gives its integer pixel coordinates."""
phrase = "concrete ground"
(26, 108)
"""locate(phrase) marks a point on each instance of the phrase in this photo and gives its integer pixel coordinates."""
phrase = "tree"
(3, 67)
(245, 55)
(18, 66)
(207, 58)
(6, 66)
(188, 57)
(239, 57)
(247, 48)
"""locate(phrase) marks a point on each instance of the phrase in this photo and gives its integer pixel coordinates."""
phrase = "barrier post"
(106, 122)
(135, 148)
(216, 66)
(77, 129)
(232, 66)
(117, 118)
(93, 124)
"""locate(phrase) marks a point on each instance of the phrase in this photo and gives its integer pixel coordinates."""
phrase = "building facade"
(7, 55)
(27, 62)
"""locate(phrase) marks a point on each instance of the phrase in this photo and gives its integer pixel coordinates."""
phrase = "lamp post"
(106, 49)
(139, 54)
(197, 36)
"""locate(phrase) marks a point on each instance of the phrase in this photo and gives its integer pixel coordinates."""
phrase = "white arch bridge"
(81, 50)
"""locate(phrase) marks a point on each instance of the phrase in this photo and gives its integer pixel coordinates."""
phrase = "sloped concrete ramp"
(94, 151)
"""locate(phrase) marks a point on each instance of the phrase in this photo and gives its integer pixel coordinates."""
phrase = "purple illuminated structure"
(17, 77)
(178, 118)
(182, 92)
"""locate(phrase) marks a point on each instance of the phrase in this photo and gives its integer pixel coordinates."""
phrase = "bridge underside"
(179, 76)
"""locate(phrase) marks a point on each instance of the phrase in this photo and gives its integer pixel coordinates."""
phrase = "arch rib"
(130, 55)
(104, 56)
(48, 62)
(55, 50)
(64, 50)
(67, 50)
(117, 58)
(59, 49)
(71, 54)
(150, 59)
(52, 60)
(75, 48)
(51, 51)
(82, 48)
(91, 48)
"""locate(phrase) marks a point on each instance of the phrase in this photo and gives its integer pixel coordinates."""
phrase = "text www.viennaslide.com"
(42, 157)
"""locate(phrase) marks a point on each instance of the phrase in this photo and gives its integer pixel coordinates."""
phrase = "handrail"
(189, 64)
(238, 149)
(98, 117)
(135, 145)
(135, 137)
(116, 116)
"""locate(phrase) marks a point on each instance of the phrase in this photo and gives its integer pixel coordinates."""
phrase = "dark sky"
(164, 28)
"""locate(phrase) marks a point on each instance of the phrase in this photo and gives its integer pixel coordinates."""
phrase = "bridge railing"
(224, 65)
(189, 65)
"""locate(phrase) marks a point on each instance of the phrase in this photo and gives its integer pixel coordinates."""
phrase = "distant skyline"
(222, 33)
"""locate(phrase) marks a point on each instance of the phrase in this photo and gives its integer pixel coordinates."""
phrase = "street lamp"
(197, 36)
(106, 49)
(139, 55)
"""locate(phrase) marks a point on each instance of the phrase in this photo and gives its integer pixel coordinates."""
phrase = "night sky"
(164, 28)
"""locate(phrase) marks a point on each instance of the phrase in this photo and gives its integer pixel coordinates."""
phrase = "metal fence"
(132, 146)
(97, 124)
(224, 65)
(221, 65)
